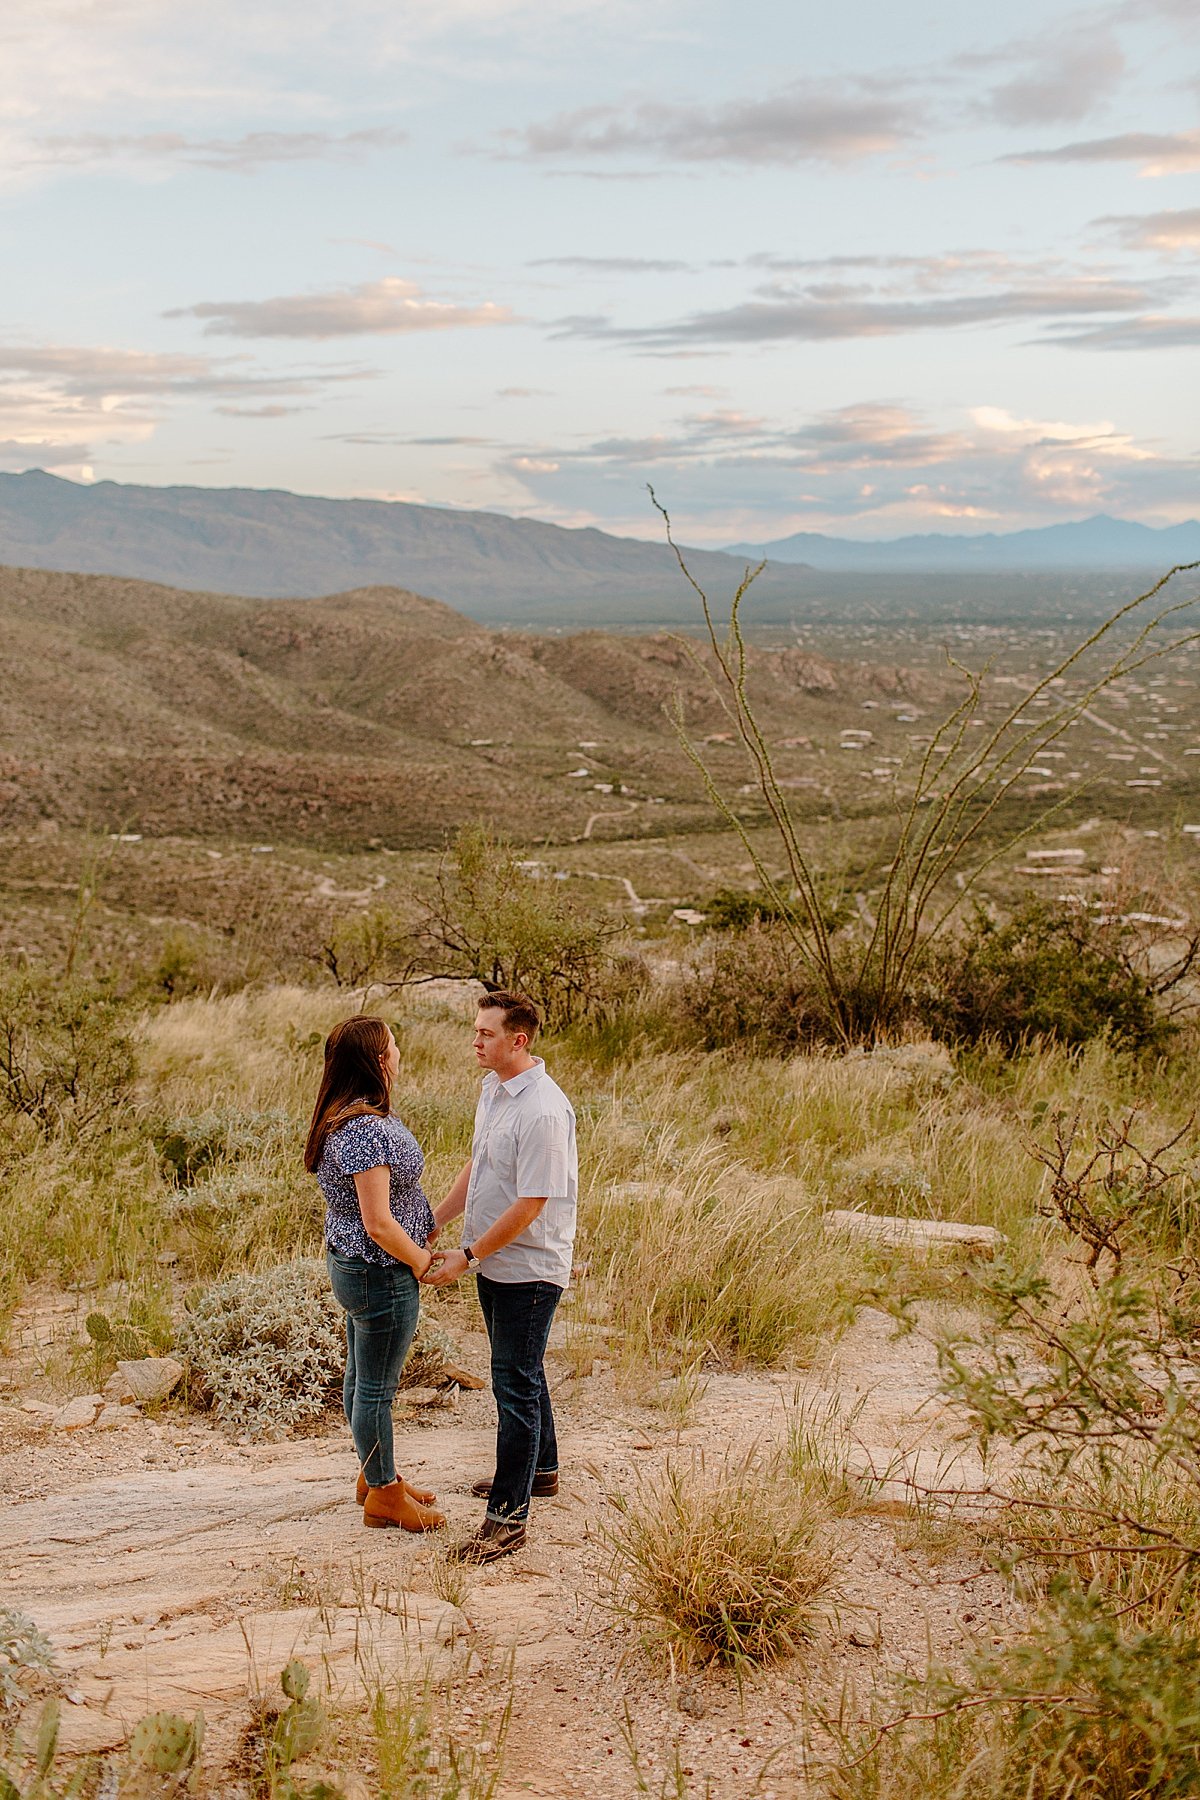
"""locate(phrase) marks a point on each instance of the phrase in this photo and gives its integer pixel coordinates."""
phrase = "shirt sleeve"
(361, 1145)
(542, 1159)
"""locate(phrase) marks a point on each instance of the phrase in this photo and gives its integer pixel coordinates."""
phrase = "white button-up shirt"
(524, 1147)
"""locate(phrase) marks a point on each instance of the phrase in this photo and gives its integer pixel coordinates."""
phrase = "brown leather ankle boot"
(422, 1496)
(395, 1506)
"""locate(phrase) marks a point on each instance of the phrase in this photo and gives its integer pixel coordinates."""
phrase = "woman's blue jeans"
(381, 1303)
(518, 1315)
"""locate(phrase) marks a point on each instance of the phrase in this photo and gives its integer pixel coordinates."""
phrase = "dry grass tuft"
(733, 1565)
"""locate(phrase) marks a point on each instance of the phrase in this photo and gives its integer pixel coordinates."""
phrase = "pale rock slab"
(911, 1234)
(146, 1380)
(79, 1413)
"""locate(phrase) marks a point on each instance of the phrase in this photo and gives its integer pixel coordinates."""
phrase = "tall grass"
(728, 1563)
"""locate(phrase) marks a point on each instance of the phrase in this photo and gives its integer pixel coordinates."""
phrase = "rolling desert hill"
(374, 715)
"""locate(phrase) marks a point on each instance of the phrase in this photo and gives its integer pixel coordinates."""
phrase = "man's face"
(495, 1046)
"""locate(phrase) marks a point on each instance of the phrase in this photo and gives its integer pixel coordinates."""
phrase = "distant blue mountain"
(1098, 543)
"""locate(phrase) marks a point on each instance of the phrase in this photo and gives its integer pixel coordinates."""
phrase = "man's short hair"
(520, 1014)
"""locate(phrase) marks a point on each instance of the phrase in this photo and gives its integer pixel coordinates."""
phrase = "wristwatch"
(472, 1259)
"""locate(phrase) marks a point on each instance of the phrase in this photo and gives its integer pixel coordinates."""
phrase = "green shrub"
(190, 1144)
(22, 1646)
(489, 917)
(1048, 971)
(744, 989)
(1084, 1705)
(266, 1352)
(66, 1056)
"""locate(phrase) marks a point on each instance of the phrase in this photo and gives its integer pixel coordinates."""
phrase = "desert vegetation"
(762, 1056)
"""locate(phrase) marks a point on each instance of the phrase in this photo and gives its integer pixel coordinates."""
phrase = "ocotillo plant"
(943, 835)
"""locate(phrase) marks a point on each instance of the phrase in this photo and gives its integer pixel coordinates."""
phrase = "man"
(519, 1195)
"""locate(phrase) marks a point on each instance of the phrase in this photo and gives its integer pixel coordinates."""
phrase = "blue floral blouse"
(366, 1143)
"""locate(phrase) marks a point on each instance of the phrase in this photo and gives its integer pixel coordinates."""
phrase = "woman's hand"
(450, 1267)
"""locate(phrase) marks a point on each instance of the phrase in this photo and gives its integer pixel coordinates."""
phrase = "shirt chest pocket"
(502, 1153)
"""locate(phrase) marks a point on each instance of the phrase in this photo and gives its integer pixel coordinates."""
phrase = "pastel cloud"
(388, 307)
(879, 462)
(1168, 231)
(242, 155)
(806, 122)
(1156, 153)
(1057, 81)
(831, 311)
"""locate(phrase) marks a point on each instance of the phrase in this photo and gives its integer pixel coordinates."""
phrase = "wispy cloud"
(831, 311)
(114, 375)
(1156, 153)
(1168, 231)
(61, 406)
(807, 122)
(18, 454)
(1147, 332)
(1057, 80)
(610, 265)
(243, 155)
(374, 308)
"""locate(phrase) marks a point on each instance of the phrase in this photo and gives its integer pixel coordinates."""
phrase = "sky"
(867, 269)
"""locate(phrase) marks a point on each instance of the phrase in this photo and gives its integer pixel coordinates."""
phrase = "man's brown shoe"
(545, 1485)
(422, 1496)
(494, 1539)
(395, 1506)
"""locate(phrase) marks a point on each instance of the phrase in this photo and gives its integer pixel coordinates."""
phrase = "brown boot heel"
(392, 1507)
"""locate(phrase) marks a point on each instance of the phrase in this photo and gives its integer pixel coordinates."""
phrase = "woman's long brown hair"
(354, 1081)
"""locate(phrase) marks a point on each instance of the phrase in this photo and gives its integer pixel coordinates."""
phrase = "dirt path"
(174, 1568)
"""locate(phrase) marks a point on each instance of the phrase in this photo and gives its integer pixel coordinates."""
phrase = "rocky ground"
(176, 1568)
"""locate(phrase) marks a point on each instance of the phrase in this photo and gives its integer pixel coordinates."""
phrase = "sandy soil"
(173, 1567)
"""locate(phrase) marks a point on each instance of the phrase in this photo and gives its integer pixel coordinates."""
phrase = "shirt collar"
(517, 1084)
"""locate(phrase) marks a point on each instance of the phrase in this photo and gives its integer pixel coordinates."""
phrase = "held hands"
(445, 1268)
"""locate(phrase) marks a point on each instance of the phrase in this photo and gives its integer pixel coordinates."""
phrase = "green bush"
(489, 917)
(266, 1352)
(1048, 971)
(193, 1143)
(1084, 1706)
(66, 1055)
(744, 988)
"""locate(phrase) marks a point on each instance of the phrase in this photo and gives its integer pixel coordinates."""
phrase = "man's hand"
(433, 1237)
(448, 1269)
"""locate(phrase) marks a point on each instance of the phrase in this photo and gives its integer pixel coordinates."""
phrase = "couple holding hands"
(518, 1197)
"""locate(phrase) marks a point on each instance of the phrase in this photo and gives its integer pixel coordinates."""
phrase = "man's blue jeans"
(381, 1303)
(518, 1316)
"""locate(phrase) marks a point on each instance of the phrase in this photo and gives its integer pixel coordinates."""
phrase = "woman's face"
(391, 1061)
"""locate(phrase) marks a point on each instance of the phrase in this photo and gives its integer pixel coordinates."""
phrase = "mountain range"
(270, 544)
(1097, 543)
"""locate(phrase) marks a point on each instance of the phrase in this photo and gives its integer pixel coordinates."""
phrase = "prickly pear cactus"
(167, 1742)
(295, 1679)
(297, 1729)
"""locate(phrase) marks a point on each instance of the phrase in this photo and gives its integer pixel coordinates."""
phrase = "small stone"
(111, 1416)
(462, 1377)
(151, 1378)
(78, 1413)
(421, 1396)
(40, 1408)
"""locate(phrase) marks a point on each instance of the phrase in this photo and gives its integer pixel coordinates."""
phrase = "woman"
(368, 1166)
